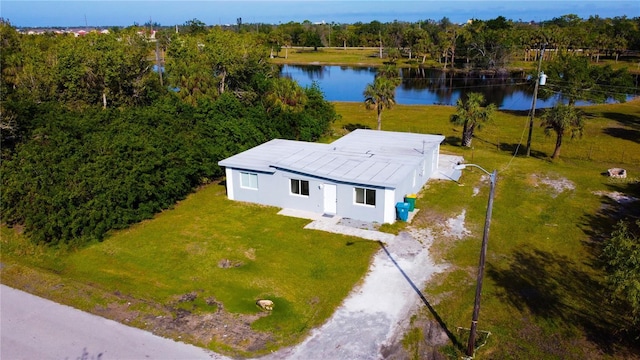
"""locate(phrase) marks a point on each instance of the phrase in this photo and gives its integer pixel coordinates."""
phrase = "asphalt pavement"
(35, 328)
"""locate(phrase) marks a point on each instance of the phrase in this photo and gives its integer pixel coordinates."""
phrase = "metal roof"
(368, 157)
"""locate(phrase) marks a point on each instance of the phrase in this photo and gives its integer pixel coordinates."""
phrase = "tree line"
(95, 137)
(477, 43)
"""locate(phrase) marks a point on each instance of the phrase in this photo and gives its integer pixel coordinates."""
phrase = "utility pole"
(535, 98)
(483, 255)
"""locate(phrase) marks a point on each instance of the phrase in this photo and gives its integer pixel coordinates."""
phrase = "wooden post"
(483, 255)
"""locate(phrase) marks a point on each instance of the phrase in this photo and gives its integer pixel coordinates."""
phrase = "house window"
(300, 187)
(365, 196)
(249, 180)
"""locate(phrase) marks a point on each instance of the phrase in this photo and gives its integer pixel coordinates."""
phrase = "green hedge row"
(75, 175)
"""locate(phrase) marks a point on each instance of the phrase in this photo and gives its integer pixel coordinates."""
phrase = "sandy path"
(376, 310)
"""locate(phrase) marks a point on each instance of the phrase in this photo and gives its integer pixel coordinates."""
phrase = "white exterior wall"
(230, 183)
(274, 190)
(390, 206)
(348, 208)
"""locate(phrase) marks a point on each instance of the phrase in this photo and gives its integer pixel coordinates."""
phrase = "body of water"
(422, 86)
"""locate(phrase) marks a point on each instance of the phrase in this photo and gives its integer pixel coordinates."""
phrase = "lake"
(421, 86)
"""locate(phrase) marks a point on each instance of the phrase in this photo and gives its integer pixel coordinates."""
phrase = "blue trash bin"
(402, 208)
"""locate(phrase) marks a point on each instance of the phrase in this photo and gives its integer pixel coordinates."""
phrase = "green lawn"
(351, 56)
(355, 56)
(543, 297)
(306, 273)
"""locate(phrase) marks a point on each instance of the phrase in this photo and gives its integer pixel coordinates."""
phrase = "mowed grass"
(610, 136)
(370, 56)
(544, 294)
(306, 273)
(351, 56)
(333, 56)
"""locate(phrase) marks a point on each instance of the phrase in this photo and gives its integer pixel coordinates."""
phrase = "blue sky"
(29, 13)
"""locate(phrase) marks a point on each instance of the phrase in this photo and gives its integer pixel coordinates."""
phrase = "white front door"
(330, 199)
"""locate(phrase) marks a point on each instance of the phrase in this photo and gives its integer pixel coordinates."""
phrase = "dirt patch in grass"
(427, 217)
(190, 317)
(423, 340)
(620, 198)
(557, 185)
(454, 227)
(213, 329)
(450, 228)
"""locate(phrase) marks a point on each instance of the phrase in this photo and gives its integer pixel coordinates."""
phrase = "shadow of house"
(621, 203)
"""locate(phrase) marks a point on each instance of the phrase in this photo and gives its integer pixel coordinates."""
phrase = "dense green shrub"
(76, 175)
(94, 145)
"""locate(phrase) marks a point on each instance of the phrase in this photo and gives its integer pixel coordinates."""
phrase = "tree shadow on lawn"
(452, 140)
(630, 129)
(553, 287)
(598, 226)
(522, 148)
(624, 119)
(511, 148)
(622, 133)
(620, 202)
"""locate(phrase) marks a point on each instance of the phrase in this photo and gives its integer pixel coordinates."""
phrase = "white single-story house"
(359, 176)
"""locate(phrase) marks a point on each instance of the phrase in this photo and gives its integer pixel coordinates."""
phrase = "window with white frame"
(300, 187)
(365, 196)
(249, 180)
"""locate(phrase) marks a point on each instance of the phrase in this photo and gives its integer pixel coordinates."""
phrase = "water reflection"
(430, 86)
(509, 91)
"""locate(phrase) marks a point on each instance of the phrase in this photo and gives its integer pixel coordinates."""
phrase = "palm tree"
(344, 35)
(560, 119)
(379, 95)
(471, 115)
(286, 95)
(391, 73)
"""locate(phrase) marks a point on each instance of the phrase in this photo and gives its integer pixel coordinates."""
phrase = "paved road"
(36, 328)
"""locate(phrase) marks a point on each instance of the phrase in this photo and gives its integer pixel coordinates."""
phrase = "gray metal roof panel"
(261, 157)
(376, 158)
